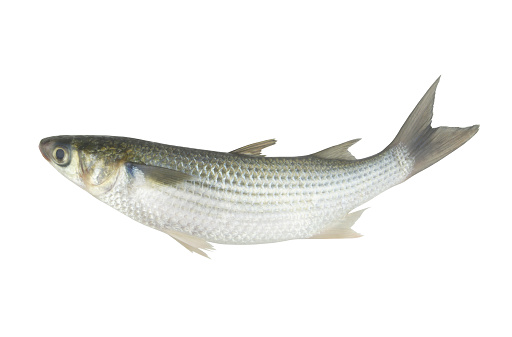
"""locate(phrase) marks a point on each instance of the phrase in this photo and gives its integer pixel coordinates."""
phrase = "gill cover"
(98, 174)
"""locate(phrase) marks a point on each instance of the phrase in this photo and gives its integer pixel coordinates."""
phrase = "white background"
(436, 256)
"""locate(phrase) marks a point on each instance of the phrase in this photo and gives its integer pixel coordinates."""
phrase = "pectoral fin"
(341, 229)
(255, 148)
(160, 175)
(192, 243)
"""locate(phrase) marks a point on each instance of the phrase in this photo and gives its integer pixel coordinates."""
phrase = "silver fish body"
(246, 200)
(199, 196)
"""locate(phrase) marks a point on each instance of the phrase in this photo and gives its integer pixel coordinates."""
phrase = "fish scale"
(219, 208)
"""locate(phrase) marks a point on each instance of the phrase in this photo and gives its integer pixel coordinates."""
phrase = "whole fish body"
(241, 197)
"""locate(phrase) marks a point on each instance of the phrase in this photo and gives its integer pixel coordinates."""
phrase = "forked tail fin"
(425, 144)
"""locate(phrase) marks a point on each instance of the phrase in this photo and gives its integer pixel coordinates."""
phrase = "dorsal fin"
(338, 151)
(255, 148)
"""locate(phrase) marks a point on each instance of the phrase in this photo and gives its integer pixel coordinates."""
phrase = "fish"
(200, 197)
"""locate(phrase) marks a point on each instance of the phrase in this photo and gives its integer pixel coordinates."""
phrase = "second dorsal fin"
(255, 148)
(338, 151)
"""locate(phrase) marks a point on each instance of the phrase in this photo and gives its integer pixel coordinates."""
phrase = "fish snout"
(57, 149)
(44, 147)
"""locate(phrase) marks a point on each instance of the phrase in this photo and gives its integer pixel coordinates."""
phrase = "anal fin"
(341, 229)
(192, 243)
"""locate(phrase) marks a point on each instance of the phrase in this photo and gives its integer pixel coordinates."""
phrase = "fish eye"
(61, 155)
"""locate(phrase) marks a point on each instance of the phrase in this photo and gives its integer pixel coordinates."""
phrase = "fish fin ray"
(161, 175)
(255, 148)
(425, 144)
(339, 151)
(341, 229)
(192, 243)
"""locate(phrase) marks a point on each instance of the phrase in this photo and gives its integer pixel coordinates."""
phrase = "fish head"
(61, 154)
(90, 162)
